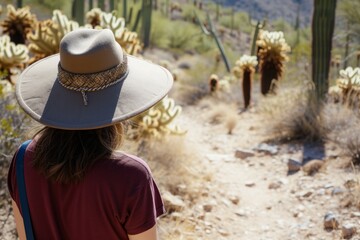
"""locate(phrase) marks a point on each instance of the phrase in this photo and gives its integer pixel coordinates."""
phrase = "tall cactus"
(101, 4)
(258, 26)
(146, 21)
(112, 5)
(125, 10)
(19, 3)
(245, 68)
(78, 11)
(322, 32)
(212, 32)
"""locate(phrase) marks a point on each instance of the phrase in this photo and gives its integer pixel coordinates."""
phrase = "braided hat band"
(89, 82)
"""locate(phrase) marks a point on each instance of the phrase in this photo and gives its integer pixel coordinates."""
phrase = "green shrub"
(241, 22)
(11, 122)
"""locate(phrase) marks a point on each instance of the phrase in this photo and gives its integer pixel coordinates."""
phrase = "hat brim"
(41, 95)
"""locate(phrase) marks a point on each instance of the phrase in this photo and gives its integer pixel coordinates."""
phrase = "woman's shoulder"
(128, 165)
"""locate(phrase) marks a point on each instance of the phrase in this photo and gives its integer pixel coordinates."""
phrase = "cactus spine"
(212, 32)
(322, 32)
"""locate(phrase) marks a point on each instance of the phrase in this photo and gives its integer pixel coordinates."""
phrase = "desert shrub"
(281, 25)
(188, 12)
(178, 35)
(63, 5)
(170, 159)
(343, 126)
(11, 122)
(10, 136)
(183, 35)
(178, 170)
(241, 22)
(293, 114)
(159, 31)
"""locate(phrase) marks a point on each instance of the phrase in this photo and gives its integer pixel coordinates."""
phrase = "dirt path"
(254, 198)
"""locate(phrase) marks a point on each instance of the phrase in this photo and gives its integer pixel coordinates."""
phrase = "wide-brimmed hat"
(91, 83)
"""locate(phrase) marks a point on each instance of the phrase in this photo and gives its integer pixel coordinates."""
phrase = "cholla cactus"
(213, 83)
(18, 23)
(128, 40)
(93, 17)
(48, 34)
(350, 78)
(11, 55)
(247, 62)
(272, 54)
(347, 86)
(156, 122)
(247, 66)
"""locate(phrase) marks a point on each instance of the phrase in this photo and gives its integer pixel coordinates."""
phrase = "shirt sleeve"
(145, 206)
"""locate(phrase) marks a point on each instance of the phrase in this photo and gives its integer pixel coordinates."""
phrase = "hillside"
(274, 9)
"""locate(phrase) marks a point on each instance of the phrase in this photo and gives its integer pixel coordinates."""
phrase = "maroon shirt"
(118, 196)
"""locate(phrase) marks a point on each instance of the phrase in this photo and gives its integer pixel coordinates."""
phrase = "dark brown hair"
(64, 156)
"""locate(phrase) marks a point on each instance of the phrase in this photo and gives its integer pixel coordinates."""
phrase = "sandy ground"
(255, 197)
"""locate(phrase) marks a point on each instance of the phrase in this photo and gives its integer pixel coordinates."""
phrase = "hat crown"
(90, 51)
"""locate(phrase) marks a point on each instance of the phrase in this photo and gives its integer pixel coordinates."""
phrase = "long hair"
(64, 156)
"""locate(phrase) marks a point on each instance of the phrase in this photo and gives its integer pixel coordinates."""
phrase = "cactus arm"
(137, 20)
(12, 55)
(146, 21)
(156, 121)
(125, 10)
(212, 32)
(218, 43)
(203, 28)
(129, 17)
(39, 44)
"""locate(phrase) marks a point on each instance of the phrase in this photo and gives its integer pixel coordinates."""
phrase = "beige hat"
(91, 84)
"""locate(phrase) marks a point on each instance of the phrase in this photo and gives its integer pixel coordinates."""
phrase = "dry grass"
(231, 121)
(173, 162)
(177, 169)
(221, 113)
(292, 114)
(343, 127)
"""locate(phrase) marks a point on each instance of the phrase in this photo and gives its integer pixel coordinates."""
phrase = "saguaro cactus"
(322, 33)
(212, 32)
(78, 11)
(146, 11)
(258, 26)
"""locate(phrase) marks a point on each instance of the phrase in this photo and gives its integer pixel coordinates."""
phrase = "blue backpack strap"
(22, 190)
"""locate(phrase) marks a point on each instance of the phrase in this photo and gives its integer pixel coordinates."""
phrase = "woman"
(77, 185)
